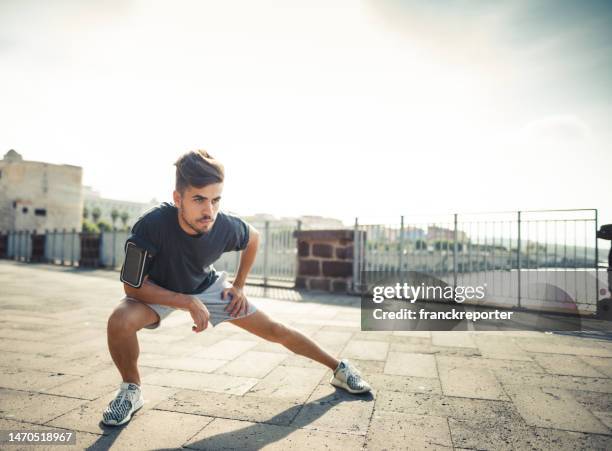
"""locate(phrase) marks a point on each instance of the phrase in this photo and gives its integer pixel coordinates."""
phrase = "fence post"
(356, 256)
(597, 261)
(455, 252)
(518, 260)
(63, 245)
(266, 250)
(401, 244)
(114, 241)
(72, 234)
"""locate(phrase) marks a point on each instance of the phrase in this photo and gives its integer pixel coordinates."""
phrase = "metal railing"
(275, 264)
(519, 255)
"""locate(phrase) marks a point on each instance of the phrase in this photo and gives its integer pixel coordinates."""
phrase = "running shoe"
(346, 376)
(128, 400)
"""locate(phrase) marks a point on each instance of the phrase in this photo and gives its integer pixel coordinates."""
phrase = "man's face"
(198, 207)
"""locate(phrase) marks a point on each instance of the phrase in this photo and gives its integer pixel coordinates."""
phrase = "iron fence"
(275, 264)
(520, 256)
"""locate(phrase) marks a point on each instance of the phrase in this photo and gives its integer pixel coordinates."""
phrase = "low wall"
(325, 260)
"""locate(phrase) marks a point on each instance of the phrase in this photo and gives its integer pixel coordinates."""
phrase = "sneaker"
(348, 377)
(128, 400)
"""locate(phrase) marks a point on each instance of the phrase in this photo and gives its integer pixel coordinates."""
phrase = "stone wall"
(325, 260)
(38, 196)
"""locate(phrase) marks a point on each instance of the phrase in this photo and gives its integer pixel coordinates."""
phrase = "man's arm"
(239, 303)
(150, 293)
(247, 258)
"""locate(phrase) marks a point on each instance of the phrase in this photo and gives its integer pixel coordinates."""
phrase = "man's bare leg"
(265, 327)
(127, 319)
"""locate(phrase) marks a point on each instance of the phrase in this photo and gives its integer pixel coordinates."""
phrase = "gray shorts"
(211, 298)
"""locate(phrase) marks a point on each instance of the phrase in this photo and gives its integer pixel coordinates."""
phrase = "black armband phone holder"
(138, 256)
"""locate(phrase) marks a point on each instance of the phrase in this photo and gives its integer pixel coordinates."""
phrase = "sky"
(344, 108)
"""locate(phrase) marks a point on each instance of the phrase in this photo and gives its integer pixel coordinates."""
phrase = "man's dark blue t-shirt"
(183, 262)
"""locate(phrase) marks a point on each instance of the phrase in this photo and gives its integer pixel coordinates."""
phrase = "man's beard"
(193, 226)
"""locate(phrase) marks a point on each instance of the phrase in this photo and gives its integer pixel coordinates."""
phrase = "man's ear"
(177, 198)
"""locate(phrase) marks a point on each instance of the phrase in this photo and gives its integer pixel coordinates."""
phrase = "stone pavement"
(226, 389)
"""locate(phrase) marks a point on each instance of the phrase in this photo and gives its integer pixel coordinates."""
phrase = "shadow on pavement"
(259, 435)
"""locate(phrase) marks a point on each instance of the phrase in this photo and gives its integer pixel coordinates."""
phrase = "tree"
(114, 216)
(124, 218)
(95, 214)
(104, 226)
(89, 227)
(85, 213)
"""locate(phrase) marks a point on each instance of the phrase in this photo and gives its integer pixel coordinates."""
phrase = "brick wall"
(325, 260)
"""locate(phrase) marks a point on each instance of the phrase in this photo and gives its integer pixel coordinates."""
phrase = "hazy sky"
(337, 108)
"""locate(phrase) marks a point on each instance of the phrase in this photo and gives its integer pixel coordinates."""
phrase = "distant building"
(307, 222)
(92, 200)
(36, 196)
(435, 233)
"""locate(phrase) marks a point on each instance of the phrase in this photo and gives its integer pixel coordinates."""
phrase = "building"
(125, 209)
(435, 233)
(36, 196)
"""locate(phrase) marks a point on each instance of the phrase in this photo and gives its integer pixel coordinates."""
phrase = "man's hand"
(238, 304)
(199, 313)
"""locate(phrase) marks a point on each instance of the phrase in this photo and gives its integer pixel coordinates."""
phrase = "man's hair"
(198, 169)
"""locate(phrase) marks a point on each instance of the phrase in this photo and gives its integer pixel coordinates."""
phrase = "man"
(186, 238)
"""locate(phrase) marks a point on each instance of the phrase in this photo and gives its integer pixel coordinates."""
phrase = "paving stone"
(45, 363)
(555, 348)
(296, 383)
(28, 335)
(605, 418)
(406, 364)
(332, 338)
(553, 408)
(27, 347)
(150, 430)
(440, 406)
(268, 346)
(568, 365)
(180, 363)
(563, 440)
(243, 435)
(499, 347)
(334, 410)
(482, 363)
(509, 377)
(366, 350)
(392, 430)
(416, 348)
(87, 417)
(32, 380)
(95, 385)
(300, 361)
(83, 439)
(593, 401)
(219, 383)
(384, 335)
(250, 408)
(226, 349)
(34, 407)
(390, 382)
(603, 365)
(252, 363)
(453, 339)
(412, 333)
(470, 383)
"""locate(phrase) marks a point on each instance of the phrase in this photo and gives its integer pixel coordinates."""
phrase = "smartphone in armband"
(133, 270)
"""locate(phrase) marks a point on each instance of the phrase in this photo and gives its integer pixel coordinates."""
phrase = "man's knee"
(123, 320)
